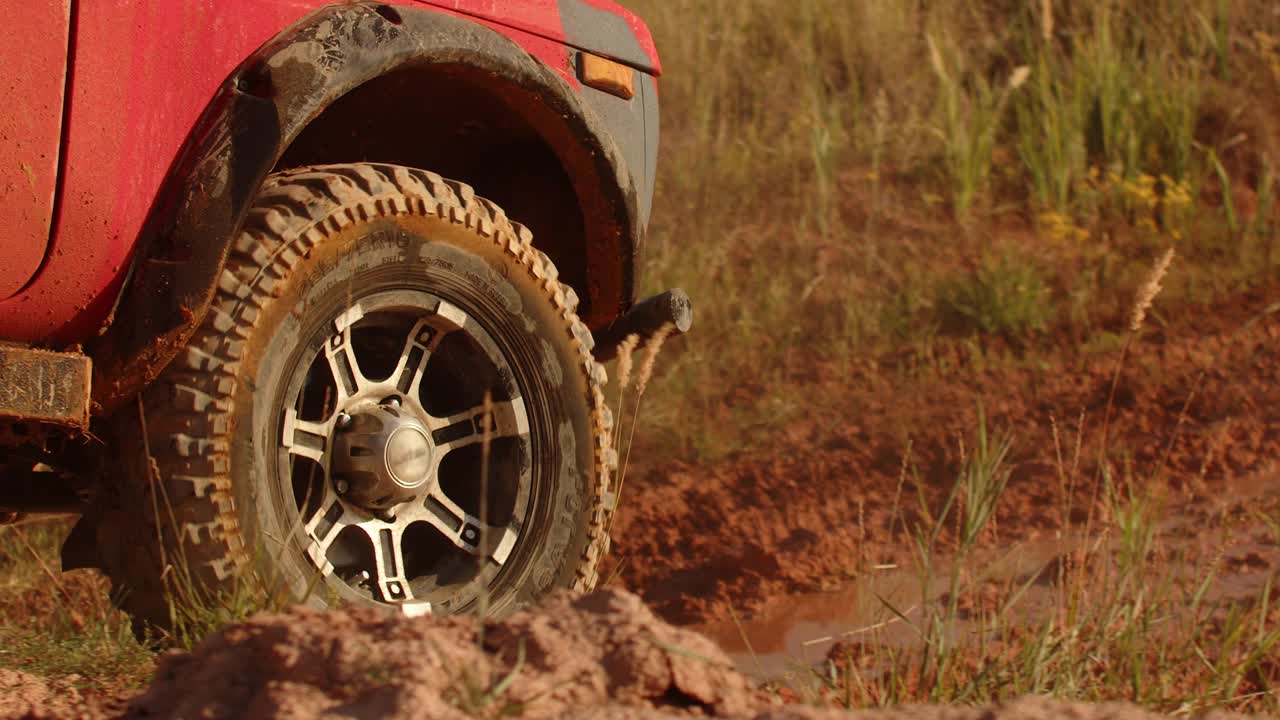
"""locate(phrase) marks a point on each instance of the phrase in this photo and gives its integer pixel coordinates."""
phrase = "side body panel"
(33, 79)
(272, 96)
(143, 74)
(602, 27)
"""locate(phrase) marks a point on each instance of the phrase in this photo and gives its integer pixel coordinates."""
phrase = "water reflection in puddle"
(802, 631)
(799, 631)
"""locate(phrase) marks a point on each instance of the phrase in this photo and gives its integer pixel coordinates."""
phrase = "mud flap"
(80, 549)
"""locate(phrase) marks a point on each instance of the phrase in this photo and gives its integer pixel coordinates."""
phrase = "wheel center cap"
(408, 456)
(382, 457)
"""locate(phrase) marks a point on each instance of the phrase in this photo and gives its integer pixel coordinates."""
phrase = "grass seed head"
(880, 109)
(1019, 77)
(625, 351)
(1148, 290)
(651, 349)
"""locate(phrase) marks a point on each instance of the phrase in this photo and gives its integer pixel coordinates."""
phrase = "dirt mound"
(573, 653)
(603, 655)
(28, 696)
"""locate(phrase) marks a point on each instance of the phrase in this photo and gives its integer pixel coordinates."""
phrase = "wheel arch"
(290, 104)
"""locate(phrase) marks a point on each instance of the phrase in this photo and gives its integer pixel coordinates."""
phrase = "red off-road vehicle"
(307, 290)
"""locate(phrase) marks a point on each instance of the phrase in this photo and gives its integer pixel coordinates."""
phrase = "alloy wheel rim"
(405, 440)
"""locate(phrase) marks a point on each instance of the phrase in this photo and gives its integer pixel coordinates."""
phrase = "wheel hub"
(382, 457)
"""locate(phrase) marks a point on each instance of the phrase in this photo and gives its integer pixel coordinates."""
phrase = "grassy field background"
(949, 181)
(920, 194)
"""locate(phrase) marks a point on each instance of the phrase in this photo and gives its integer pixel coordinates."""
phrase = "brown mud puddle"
(799, 631)
(886, 605)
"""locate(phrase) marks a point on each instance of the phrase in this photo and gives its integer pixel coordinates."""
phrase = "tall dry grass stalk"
(1143, 299)
(626, 361)
(626, 358)
(486, 447)
(625, 351)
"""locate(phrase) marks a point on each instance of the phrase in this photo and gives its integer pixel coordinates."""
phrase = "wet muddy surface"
(764, 565)
(1194, 416)
(1232, 535)
(801, 630)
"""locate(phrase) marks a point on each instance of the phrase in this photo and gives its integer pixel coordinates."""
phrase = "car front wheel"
(391, 401)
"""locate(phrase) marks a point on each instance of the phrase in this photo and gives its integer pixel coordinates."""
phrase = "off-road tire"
(182, 493)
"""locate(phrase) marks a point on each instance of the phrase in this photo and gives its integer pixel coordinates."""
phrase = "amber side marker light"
(606, 75)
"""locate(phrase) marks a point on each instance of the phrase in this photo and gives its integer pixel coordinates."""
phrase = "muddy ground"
(1196, 417)
(750, 566)
(604, 655)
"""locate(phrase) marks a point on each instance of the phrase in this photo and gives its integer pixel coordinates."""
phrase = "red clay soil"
(603, 655)
(573, 653)
(1196, 409)
(28, 696)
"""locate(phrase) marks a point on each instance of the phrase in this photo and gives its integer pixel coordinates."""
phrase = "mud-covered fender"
(271, 98)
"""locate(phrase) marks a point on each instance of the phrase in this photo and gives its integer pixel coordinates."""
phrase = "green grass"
(969, 121)
(1132, 607)
(197, 610)
(61, 625)
(1005, 297)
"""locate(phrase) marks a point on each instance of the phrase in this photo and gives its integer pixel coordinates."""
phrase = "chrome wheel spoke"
(323, 528)
(305, 438)
(467, 532)
(504, 419)
(340, 353)
(423, 340)
(388, 560)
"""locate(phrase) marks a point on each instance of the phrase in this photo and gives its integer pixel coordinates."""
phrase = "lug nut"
(341, 486)
(344, 421)
(393, 401)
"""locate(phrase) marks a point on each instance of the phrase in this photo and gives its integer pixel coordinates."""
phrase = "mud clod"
(30, 697)
(596, 650)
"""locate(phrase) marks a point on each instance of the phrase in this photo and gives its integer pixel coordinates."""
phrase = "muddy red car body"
(111, 131)
(137, 135)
